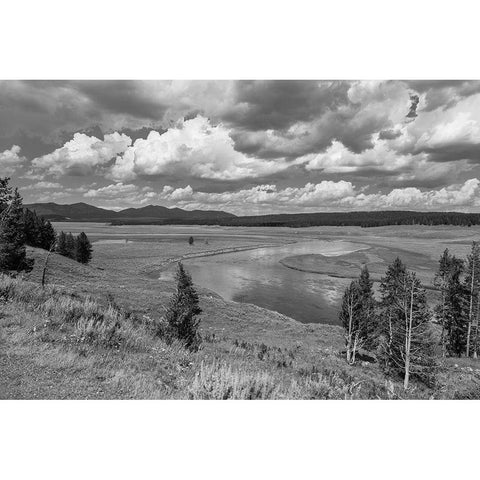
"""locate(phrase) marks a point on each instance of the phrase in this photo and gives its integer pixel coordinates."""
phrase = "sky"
(246, 147)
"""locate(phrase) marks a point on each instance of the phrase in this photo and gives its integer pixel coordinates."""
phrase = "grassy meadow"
(88, 333)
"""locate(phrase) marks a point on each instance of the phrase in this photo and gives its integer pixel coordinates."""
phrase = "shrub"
(222, 382)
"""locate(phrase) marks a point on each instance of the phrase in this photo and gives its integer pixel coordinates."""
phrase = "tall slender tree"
(472, 288)
(183, 311)
(83, 248)
(350, 318)
(61, 246)
(390, 287)
(455, 310)
(407, 348)
(447, 280)
(368, 318)
(70, 245)
(12, 235)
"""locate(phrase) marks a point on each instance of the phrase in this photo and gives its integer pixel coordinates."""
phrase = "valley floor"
(247, 351)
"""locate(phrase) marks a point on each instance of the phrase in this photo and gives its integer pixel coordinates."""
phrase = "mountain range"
(83, 212)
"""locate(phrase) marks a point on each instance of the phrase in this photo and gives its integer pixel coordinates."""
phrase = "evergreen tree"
(30, 228)
(12, 235)
(367, 320)
(62, 244)
(47, 234)
(450, 313)
(390, 288)
(408, 350)
(183, 310)
(83, 249)
(70, 246)
(472, 290)
(38, 231)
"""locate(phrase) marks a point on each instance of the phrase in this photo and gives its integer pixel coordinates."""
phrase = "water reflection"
(257, 277)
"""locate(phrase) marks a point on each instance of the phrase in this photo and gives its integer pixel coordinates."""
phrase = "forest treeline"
(399, 327)
(20, 227)
(334, 219)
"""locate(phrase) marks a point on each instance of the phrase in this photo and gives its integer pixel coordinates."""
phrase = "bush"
(221, 382)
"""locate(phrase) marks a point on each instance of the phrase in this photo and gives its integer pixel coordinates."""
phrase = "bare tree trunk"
(469, 329)
(350, 327)
(470, 311)
(355, 346)
(442, 337)
(475, 341)
(408, 342)
(45, 265)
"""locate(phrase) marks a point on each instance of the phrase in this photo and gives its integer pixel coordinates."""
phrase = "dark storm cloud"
(412, 113)
(389, 134)
(121, 96)
(444, 93)
(55, 110)
(453, 152)
(355, 132)
(31, 145)
(264, 105)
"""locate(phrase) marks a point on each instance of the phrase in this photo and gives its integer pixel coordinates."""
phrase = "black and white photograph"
(280, 239)
(303, 242)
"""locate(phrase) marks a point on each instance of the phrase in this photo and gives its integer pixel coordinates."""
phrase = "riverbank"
(348, 266)
(150, 269)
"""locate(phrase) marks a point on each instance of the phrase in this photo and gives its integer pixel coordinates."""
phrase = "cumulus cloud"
(462, 196)
(260, 138)
(10, 160)
(444, 93)
(326, 196)
(194, 148)
(83, 154)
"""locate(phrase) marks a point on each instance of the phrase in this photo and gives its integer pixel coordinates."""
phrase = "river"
(257, 277)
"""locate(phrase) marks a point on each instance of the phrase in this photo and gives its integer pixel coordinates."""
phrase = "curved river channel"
(257, 277)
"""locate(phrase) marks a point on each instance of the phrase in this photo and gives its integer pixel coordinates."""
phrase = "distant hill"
(158, 215)
(74, 212)
(81, 212)
(360, 219)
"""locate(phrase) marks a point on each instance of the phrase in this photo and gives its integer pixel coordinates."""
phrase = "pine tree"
(61, 247)
(70, 246)
(183, 311)
(83, 249)
(409, 349)
(12, 235)
(30, 228)
(38, 231)
(472, 289)
(456, 313)
(367, 321)
(47, 234)
(450, 313)
(390, 288)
